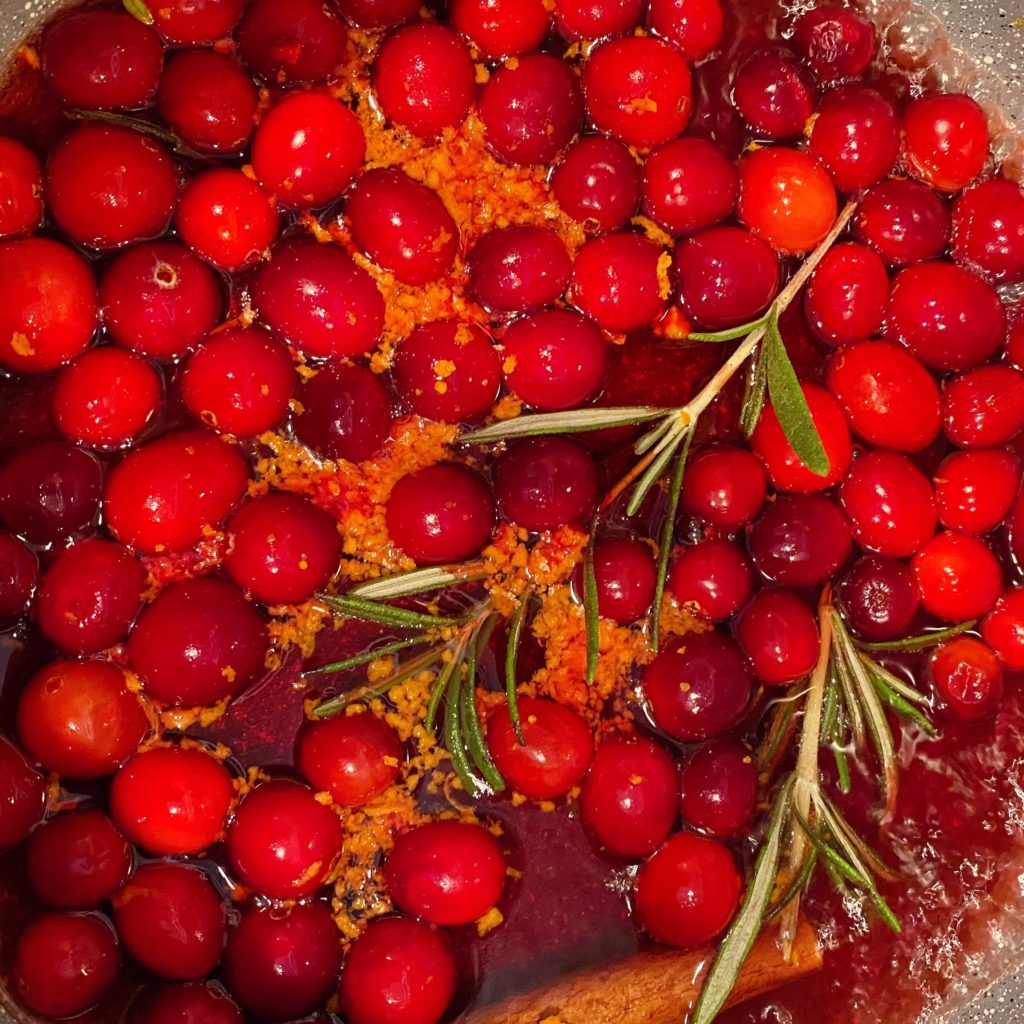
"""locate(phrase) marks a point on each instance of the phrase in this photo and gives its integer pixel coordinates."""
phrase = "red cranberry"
(519, 268)
(19, 573)
(163, 495)
(629, 798)
(626, 576)
(208, 100)
(724, 486)
(424, 78)
(638, 89)
(501, 28)
(779, 634)
(1003, 629)
(713, 578)
(300, 41)
(903, 221)
(848, 294)
(774, 93)
(399, 971)
(531, 108)
(800, 541)
(379, 13)
(688, 185)
(353, 757)
(48, 305)
(988, 229)
(974, 490)
(194, 21)
(171, 920)
(556, 755)
(785, 469)
(957, 577)
(726, 277)
(79, 719)
(984, 407)
(402, 226)
(888, 396)
(719, 787)
(199, 642)
(597, 182)
(346, 413)
(546, 482)
(1013, 350)
(63, 963)
(837, 42)
(595, 19)
(318, 299)
(968, 676)
(695, 26)
(283, 964)
(307, 149)
(878, 599)
(856, 135)
(688, 891)
(192, 1003)
(21, 189)
(22, 795)
(945, 140)
(107, 186)
(448, 370)
(172, 800)
(159, 299)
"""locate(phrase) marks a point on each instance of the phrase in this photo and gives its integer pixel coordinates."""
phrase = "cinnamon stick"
(652, 988)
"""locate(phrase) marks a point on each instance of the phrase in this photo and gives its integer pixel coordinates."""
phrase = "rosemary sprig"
(419, 581)
(140, 124)
(367, 656)
(385, 614)
(138, 9)
(922, 642)
(515, 634)
(591, 612)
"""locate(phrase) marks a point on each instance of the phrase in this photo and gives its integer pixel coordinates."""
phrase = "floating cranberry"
(945, 140)
(878, 598)
(22, 795)
(597, 182)
(300, 41)
(724, 486)
(800, 540)
(847, 298)
(903, 221)
(988, 229)
(595, 19)
(194, 21)
(968, 676)
(719, 787)
(688, 185)
(984, 407)
(779, 634)
(974, 490)
(192, 1003)
(501, 28)
(774, 93)
(625, 574)
(519, 268)
(957, 577)
(21, 189)
(695, 26)
(856, 136)
(379, 13)
(712, 578)
(1003, 628)
(19, 573)
(836, 41)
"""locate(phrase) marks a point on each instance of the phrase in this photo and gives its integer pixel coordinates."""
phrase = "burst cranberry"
(595, 19)
(399, 971)
(890, 399)
(48, 305)
(903, 221)
(192, 1003)
(969, 677)
(379, 13)
(22, 795)
(501, 28)
(283, 964)
(779, 634)
(712, 578)
(519, 268)
(957, 577)
(785, 469)
(988, 229)
(800, 541)
(695, 26)
(847, 297)
(597, 182)
(424, 78)
(984, 407)
(318, 299)
(856, 136)
(402, 226)
(546, 482)
(531, 108)
(346, 413)
(172, 800)
(79, 719)
(836, 41)
(557, 752)
(774, 93)
(1003, 628)
(208, 100)
(724, 486)
(945, 140)
(688, 185)
(625, 574)
(21, 189)
(638, 89)
(194, 21)
(300, 41)
(719, 787)
(878, 598)
(974, 490)
(19, 573)
(307, 149)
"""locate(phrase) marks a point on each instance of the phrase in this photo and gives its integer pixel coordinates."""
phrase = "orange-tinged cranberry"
(969, 677)
(945, 140)
(957, 577)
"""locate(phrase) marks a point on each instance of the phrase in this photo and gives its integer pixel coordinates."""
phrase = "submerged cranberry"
(878, 598)
(300, 41)
(695, 26)
(974, 490)
(379, 13)
(800, 540)
(779, 633)
(192, 1003)
(945, 140)
(856, 135)
(194, 21)
(988, 229)
(19, 574)
(1003, 628)
(984, 407)
(21, 189)
(519, 268)
(968, 677)
(688, 185)
(595, 19)
(719, 787)
(724, 486)
(625, 574)
(836, 41)
(957, 577)
(501, 28)
(847, 298)
(903, 221)
(712, 578)
(22, 795)
(774, 93)
(597, 182)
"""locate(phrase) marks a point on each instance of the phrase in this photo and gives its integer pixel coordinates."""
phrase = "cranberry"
(957, 577)
(22, 795)
(159, 299)
(194, 21)
(90, 596)
(988, 229)
(546, 482)
(19, 573)
(402, 226)
(172, 800)
(531, 108)
(695, 26)
(399, 971)
(163, 495)
(353, 757)
(171, 920)
(424, 78)
(726, 277)
(984, 407)
(448, 370)
(192, 1003)
(836, 41)
(878, 599)
(968, 676)
(719, 787)
(76, 860)
(239, 381)
(774, 93)
(779, 634)
(63, 963)
(300, 41)
(444, 513)
(800, 541)
(49, 490)
(638, 89)
(379, 13)
(974, 490)
(501, 28)
(48, 304)
(1013, 350)
(21, 189)
(208, 100)
(688, 891)
(557, 752)
(888, 396)
(1003, 628)
(597, 182)
(199, 642)
(318, 299)
(519, 268)
(785, 469)
(79, 719)
(346, 413)
(724, 486)
(945, 140)
(102, 60)
(903, 221)
(712, 578)
(307, 149)
(283, 964)
(626, 576)
(629, 798)
(595, 19)
(688, 185)
(848, 294)
(107, 186)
